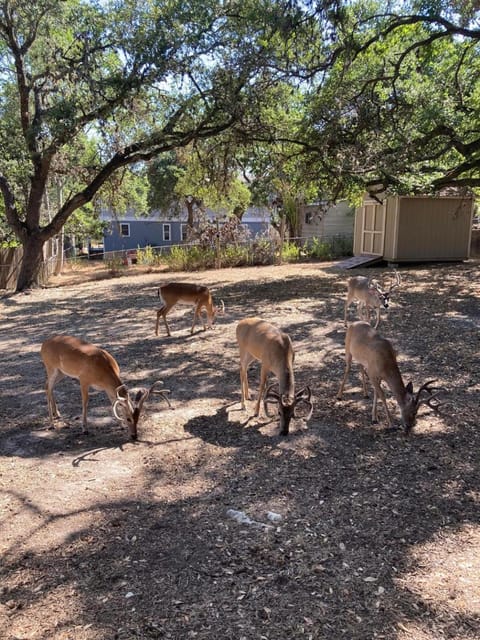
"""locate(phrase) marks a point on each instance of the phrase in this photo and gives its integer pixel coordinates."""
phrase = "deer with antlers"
(92, 367)
(196, 294)
(370, 295)
(378, 361)
(260, 340)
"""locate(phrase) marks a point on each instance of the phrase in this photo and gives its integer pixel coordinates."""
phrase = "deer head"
(128, 411)
(288, 407)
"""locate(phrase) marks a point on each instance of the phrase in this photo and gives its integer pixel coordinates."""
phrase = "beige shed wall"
(416, 228)
(422, 228)
(391, 225)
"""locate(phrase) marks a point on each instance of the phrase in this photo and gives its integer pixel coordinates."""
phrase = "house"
(323, 221)
(414, 228)
(161, 230)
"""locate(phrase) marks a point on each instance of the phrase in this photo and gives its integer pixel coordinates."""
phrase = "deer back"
(361, 288)
(270, 345)
(185, 291)
(86, 362)
(372, 351)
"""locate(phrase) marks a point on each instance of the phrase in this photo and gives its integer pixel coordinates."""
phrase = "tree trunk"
(32, 262)
(189, 204)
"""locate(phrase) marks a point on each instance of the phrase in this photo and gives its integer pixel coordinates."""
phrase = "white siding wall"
(320, 223)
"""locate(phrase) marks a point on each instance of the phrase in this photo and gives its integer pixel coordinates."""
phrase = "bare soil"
(355, 532)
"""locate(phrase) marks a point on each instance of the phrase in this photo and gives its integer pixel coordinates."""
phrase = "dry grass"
(378, 537)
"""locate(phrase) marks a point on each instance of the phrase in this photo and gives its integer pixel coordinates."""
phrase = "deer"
(378, 361)
(265, 342)
(370, 296)
(196, 294)
(69, 356)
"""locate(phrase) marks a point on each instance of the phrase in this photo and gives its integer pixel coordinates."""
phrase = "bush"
(319, 249)
(190, 258)
(263, 252)
(114, 265)
(290, 252)
(234, 256)
(342, 246)
(148, 256)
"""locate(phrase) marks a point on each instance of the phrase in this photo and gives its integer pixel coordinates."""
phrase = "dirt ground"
(354, 532)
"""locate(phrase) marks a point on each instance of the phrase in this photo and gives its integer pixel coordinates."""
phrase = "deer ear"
(409, 387)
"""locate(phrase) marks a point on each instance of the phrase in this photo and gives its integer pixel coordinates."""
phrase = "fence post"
(217, 247)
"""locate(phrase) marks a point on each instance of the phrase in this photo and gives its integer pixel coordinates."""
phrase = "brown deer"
(260, 340)
(370, 296)
(92, 367)
(377, 359)
(196, 294)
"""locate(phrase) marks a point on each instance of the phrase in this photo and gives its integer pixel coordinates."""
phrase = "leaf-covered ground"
(356, 533)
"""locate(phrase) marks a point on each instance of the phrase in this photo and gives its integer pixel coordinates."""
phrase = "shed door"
(373, 228)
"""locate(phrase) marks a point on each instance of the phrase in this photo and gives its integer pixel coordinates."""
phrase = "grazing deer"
(93, 367)
(196, 294)
(377, 359)
(260, 340)
(370, 296)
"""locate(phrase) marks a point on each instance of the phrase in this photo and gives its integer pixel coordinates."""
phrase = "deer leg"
(52, 378)
(348, 302)
(261, 391)
(243, 385)
(163, 313)
(348, 362)
(378, 318)
(84, 390)
(245, 360)
(363, 376)
(378, 393)
(197, 314)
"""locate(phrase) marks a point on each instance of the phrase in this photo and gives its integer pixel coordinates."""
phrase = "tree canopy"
(402, 101)
(141, 79)
(312, 99)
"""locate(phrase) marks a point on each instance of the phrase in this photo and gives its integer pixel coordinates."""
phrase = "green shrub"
(290, 252)
(114, 264)
(262, 252)
(321, 250)
(342, 245)
(192, 258)
(148, 256)
(234, 256)
(176, 259)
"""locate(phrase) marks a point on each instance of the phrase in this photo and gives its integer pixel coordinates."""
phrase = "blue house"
(158, 230)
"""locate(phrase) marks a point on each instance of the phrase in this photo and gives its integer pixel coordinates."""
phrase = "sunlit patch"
(446, 573)
(170, 493)
(462, 320)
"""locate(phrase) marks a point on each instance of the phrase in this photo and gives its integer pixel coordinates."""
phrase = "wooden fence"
(10, 263)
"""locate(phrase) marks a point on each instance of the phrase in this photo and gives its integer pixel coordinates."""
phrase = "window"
(125, 229)
(166, 233)
(308, 217)
(184, 232)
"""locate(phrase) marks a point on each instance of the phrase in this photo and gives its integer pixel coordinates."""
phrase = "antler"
(123, 388)
(121, 401)
(433, 392)
(304, 395)
(271, 396)
(146, 392)
(397, 283)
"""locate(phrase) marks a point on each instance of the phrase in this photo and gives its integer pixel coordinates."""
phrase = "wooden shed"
(414, 228)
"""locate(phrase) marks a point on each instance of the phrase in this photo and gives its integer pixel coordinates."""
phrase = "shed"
(414, 228)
